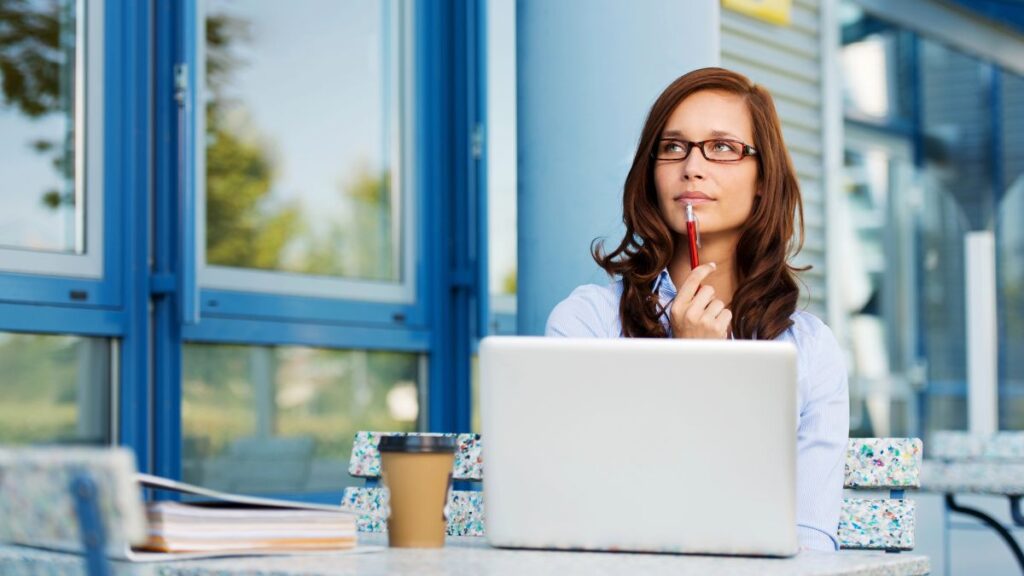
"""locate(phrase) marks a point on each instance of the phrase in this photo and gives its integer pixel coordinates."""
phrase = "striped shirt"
(823, 414)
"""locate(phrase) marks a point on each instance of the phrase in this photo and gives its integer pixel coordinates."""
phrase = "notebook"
(231, 523)
(640, 444)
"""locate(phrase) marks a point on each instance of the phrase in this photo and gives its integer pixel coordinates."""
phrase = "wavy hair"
(767, 290)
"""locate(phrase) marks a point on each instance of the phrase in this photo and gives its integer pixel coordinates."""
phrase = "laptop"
(645, 445)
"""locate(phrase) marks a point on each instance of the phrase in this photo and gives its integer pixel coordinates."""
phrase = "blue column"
(588, 72)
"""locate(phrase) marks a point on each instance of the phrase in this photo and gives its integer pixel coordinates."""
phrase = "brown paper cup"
(417, 471)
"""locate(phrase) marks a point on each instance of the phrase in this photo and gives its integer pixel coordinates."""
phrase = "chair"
(865, 524)
(465, 509)
(880, 523)
(44, 490)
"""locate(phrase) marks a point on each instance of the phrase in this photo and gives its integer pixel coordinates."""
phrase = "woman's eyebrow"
(723, 134)
(714, 134)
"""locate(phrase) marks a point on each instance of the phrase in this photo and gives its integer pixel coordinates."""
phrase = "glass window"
(957, 179)
(45, 122)
(878, 282)
(904, 263)
(56, 389)
(868, 91)
(281, 419)
(874, 68)
(502, 178)
(1010, 254)
(302, 149)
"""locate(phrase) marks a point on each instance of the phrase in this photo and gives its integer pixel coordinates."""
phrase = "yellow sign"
(773, 11)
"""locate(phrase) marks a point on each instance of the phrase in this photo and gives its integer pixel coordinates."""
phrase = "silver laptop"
(640, 445)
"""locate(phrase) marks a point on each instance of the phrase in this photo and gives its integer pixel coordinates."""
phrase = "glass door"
(312, 302)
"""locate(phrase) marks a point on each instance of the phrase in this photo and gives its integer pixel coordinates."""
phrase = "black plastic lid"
(417, 443)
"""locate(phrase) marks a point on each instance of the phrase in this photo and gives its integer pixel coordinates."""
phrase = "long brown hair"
(767, 290)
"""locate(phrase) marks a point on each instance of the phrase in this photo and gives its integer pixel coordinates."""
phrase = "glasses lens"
(723, 150)
(672, 150)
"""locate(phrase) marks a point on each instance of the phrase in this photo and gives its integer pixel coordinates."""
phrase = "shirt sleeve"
(822, 437)
(587, 313)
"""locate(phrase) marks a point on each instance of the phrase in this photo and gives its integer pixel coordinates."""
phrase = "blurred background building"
(234, 232)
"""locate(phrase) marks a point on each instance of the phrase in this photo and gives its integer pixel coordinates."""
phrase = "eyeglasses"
(671, 150)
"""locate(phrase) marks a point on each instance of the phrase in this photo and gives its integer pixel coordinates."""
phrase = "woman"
(713, 140)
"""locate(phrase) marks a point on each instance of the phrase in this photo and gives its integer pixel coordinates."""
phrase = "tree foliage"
(36, 57)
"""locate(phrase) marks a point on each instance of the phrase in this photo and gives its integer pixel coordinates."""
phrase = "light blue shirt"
(823, 405)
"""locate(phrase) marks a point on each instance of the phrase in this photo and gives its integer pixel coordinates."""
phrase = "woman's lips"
(694, 199)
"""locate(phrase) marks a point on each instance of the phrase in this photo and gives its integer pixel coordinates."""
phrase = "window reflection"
(56, 389)
(42, 96)
(866, 65)
(958, 165)
(264, 420)
(877, 282)
(906, 234)
(301, 123)
(1010, 254)
(502, 179)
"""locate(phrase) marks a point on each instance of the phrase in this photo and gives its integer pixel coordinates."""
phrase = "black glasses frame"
(747, 150)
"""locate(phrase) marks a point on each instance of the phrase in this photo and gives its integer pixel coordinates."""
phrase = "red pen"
(693, 233)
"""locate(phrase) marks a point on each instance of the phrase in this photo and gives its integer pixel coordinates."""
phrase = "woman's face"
(722, 194)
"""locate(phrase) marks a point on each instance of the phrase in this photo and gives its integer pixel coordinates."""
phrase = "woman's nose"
(694, 166)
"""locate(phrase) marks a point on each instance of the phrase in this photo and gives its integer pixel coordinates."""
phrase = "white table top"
(472, 556)
(973, 477)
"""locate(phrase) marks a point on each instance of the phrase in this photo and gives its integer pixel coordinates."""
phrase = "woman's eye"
(672, 147)
(722, 146)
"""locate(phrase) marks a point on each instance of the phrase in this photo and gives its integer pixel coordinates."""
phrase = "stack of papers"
(177, 527)
(229, 524)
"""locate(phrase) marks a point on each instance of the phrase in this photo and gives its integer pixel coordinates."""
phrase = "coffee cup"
(417, 471)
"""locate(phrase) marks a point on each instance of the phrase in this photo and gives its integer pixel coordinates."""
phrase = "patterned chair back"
(465, 508)
(76, 499)
(892, 464)
(871, 463)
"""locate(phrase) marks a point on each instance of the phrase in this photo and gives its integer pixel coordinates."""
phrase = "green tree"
(244, 227)
(31, 55)
(358, 243)
(36, 65)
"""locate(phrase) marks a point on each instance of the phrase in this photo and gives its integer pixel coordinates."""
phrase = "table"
(990, 477)
(472, 556)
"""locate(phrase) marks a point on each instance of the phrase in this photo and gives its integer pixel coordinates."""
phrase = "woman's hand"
(695, 312)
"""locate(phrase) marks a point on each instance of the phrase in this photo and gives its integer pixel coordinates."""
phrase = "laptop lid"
(640, 444)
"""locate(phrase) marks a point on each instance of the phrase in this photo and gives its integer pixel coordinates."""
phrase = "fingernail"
(713, 265)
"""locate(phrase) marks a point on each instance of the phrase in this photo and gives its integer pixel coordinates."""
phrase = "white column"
(982, 334)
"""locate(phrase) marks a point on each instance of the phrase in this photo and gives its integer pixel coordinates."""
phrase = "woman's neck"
(714, 248)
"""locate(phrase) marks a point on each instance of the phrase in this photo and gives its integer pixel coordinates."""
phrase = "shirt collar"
(663, 283)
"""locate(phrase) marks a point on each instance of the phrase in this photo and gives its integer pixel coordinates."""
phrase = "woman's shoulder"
(597, 293)
(590, 310)
(807, 325)
(814, 339)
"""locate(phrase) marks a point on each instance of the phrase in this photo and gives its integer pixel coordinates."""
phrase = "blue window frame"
(107, 304)
(149, 300)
